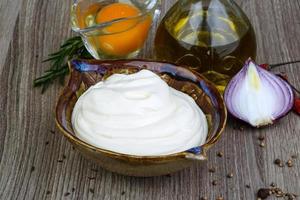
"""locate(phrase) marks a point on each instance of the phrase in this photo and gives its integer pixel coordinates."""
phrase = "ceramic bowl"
(85, 73)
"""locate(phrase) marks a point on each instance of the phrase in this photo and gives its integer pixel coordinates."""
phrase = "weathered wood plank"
(37, 27)
(9, 11)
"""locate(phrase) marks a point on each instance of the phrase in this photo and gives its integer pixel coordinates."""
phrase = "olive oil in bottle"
(213, 37)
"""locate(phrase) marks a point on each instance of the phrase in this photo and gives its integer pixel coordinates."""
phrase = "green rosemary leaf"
(49, 59)
(54, 54)
(71, 48)
(71, 41)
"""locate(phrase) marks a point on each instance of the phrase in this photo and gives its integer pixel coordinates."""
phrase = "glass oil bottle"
(213, 37)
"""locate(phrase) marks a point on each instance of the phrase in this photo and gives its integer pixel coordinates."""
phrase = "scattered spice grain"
(294, 156)
(261, 138)
(278, 162)
(264, 193)
(212, 170)
(67, 194)
(272, 185)
(262, 144)
(32, 169)
(214, 182)
(290, 163)
(230, 175)
(220, 154)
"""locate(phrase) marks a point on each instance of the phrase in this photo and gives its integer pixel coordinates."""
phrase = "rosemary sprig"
(71, 48)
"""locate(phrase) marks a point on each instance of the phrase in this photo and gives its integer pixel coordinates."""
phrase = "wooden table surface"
(30, 146)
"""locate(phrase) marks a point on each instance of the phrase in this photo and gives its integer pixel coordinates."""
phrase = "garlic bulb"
(257, 96)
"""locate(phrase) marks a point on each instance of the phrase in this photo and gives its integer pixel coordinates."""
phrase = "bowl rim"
(185, 154)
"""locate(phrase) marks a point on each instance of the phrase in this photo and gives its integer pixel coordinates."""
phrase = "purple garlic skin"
(257, 96)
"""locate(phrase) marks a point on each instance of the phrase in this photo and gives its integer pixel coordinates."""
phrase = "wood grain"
(38, 163)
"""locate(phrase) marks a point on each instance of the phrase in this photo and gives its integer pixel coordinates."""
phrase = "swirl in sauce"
(139, 114)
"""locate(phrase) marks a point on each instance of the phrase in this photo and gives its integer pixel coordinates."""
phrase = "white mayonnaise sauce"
(139, 114)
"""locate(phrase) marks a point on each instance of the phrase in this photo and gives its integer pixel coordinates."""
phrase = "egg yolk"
(122, 37)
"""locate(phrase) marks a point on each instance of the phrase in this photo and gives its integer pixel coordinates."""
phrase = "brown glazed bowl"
(85, 73)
